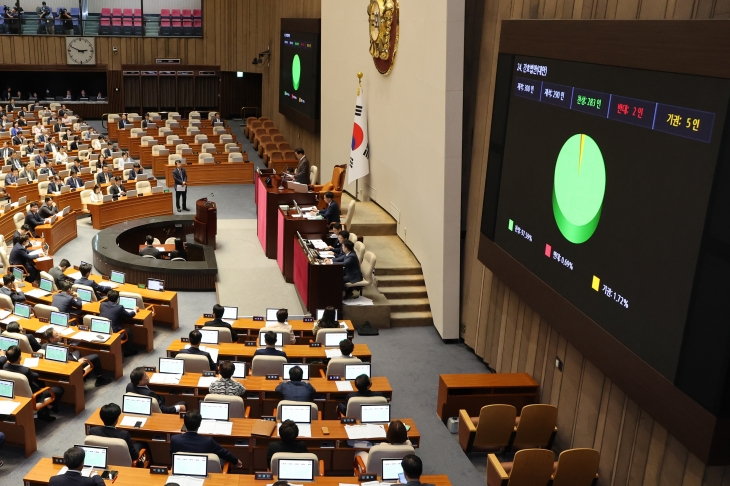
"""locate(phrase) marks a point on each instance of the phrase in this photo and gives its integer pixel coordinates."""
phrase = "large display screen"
(606, 174)
(299, 70)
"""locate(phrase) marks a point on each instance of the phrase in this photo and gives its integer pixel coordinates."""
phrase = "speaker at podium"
(205, 224)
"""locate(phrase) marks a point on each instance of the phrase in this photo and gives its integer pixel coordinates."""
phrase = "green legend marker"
(511, 225)
(579, 188)
(296, 71)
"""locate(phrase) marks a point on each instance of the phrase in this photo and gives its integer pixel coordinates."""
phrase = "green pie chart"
(296, 71)
(579, 188)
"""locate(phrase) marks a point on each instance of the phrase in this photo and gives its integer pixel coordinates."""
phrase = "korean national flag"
(359, 154)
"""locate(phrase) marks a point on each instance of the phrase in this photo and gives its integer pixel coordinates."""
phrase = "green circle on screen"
(296, 71)
(579, 188)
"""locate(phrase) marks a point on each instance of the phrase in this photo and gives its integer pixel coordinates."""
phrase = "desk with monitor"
(59, 232)
(19, 425)
(114, 212)
(248, 329)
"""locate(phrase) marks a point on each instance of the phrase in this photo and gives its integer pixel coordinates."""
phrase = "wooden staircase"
(406, 292)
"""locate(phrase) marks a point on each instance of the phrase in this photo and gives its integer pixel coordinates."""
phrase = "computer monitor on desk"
(7, 389)
(214, 410)
(172, 366)
(288, 366)
(230, 313)
(332, 339)
(59, 318)
(239, 369)
(136, 405)
(195, 465)
(279, 338)
(6, 342)
(352, 371)
(95, 457)
(296, 470)
(375, 414)
(301, 414)
(209, 336)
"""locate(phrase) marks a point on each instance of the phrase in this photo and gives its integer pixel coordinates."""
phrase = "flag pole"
(357, 181)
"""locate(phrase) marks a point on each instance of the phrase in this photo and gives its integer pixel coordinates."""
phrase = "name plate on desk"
(264, 476)
(83, 328)
(208, 373)
(158, 470)
(58, 460)
(250, 343)
(184, 340)
(367, 477)
(258, 318)
(43, 319)
(348, 420)
(105, 277)
(151, 369)
(36, 355)
(334, 377)
(272, 377)
(268, 418)
(308, 319)
(315, 345)
(208, 316)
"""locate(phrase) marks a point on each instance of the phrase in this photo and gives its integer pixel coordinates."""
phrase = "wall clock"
(383, 23)
(80, 50)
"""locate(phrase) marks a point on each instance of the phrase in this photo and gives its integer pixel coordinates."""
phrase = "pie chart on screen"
(579, 188)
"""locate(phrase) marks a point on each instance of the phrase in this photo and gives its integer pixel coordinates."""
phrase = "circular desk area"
(117, 248)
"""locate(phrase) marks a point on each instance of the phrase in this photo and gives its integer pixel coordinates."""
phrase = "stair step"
(400, 280)
(380, 271)
(404, 292)
(409, 305)
(410, 319)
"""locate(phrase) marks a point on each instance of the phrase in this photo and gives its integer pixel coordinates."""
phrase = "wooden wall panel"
(592, 411)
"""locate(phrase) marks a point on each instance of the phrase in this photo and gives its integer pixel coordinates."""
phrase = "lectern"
(205, 224)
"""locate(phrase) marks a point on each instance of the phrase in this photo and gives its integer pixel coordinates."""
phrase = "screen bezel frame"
(125, 396)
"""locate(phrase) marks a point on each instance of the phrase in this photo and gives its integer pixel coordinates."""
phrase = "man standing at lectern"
(181, 185)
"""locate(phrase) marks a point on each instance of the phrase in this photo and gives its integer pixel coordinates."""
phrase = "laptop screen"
(84, 294)
(56, 353)
(128, 302)
(18, 274)
(209, 336)
(240, 371)
(22, 310)
(296, 470)
(154, 284)
(117, 277)
(137, 405)
(59, 319)
(286, 367)
(271, 314)
(375, 414)
(279, 339)
(392, 469)
(230, 313)
(214, 410)
(102, 326)
(6, 342)
(352, 371)
(301, 414)
(332, 339)
(189, 465)
(46, 285)
(172, 366)
(7, 389)
(94, 456)
(320, 313)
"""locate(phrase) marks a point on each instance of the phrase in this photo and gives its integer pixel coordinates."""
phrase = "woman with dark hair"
(396, 442)
(180, 248)
(328, 321)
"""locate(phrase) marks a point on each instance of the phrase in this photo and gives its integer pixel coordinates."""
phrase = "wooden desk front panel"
(241, 352)
(72, 199)
(212, 174)
(248, 329)
(19, 427)
(59, 233)
(7, 225)
(29, 190)
(115, 212)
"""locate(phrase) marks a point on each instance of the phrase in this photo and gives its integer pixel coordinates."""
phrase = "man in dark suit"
(20, 232)
(122, 122)
(195, 337)
(181, 186)
(104, 177)
(270, 349)
(138, 381)
(49, 207)
(54, 337)
(74, 459)
(6, 151)
(117, 189)
(85, 271)
(363, 384)
(66, 300)
(19, 255)
(40, 160)
(146, 120)
(28, 172)
(75, 182)
(190, 441)
(16, 295)
(12, 177)
(112, 310)
(55, 184)
(302, 174)
(75, 144)
(288, 432)
(352, 273)
(218, 321)
(76, 168)
(33, 219)
(216, 118)
(14, 162)
(13, 355)
(295, 389)
(149, 249)
(109, 414)
(412, 470)
(57, 272)
(332, 212)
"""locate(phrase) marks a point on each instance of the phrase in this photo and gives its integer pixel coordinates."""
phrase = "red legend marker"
(548, 250)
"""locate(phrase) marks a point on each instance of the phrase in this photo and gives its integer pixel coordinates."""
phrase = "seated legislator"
(195, 337)
(332, 212)
(13, 356)
(115, 312)
(66, 300)
(109, 414)
(216, 118)
(33, 219)
(117, 189)
(28, 172)
(190, 441)
(281, 325)
(53, 337)
(295, 389)
(339, 252)
(412, 470)
(12, 176)
(19, 255)
(181, 248)
(225, 385)
(218, 311)
(149, 249)
(346, 349)
(352, 273)
(10, 289)
(122, 121)
(85, 271)
(57, 272)
(76, 168)
(137, 170)
(270, 349)
(288, 432)
(24, 230)
(61, 156)
(49, 207)
(138, 381)
(363, 384)
(55, 185)
(15, 328)
(96, 196)
(104, 177)
(328, 321)
(74, 460)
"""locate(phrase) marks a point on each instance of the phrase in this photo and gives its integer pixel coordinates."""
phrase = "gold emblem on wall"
(383, 20)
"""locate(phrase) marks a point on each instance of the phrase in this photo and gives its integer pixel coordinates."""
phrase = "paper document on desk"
(307, 208)
(205, 381)
(319, 244)
(42, 259)
(59, 329)
(333, 353)
(359, 301)
(216, 427)
(35, 253)
(165, 379)
(109, 284)
(30, 362)
(75, 276)
(7, 407)
(213, 352)
(67, 330)
(86, 472)
(343, 386)
(130, 420)
(327, 254)
(161, 248)
(365, 431)
(305, 430)
(90, 337)
(4, 314)
(37, 293)
(185, 480)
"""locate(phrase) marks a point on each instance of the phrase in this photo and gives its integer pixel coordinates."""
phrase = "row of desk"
(297, 353)
(248, 328)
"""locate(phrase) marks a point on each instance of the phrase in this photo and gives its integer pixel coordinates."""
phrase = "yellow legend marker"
(596, 283)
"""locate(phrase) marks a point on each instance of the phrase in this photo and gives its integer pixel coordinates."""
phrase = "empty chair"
(224, 334)
(489, 432)
(360, 250)
(194, 115)
(317, 465)
(313, 172)
(576, 467)
(192, 130)
(201, 138)
(263, 140)
(43, 188)
(235, 157)
(208, 147)
(173, 115)
(335, 185)
(531, 467)
(172, 139)
(283, 146)
(164, 132)
(350, 214)
(172, 123)
(181, 148)
(267, 365)
(44, 311)
(354, 405)
(22, 340)
(205, 158)
(235, 404)
(19, 220)
(250, 127)
(231, 147)
(225, 138)
(535, 426)
(85, 198)
(173, 158)
(143, 187)
(158, 150)
(194, 363)
(6, 302)
(315, 413)
(148, 141)
(366, 267)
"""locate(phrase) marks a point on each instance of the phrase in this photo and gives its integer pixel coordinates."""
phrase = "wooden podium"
(205, 224)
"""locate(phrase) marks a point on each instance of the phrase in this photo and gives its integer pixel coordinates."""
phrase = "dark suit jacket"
(65, 303)
(98, 289)
(352, 268)
(52, 187)
(192, 442)
(150, 250)
(115, 313)
(197, 351)
(296, 447)
(20, 256)
(302, 174)
(76, 183)
(33, 219)
(222, 323)
(57, 275)
(269, 352)
(114, 433)
(47, 211)
(149, 393)
(16, 236)
(179, 175)
(121, 124)
(32, 377)
(331, 213)
(74, 146)
(100, 179)
(73, 478)
(117, 191)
